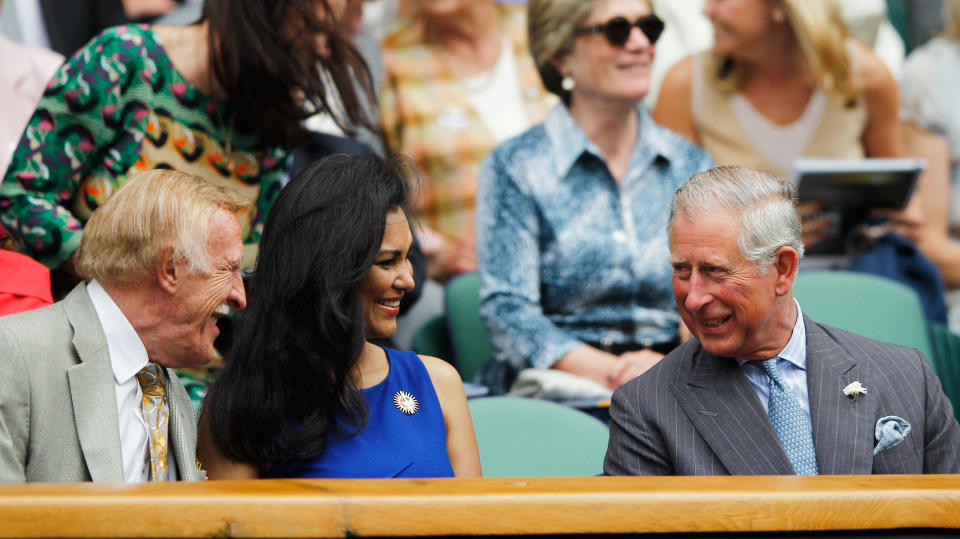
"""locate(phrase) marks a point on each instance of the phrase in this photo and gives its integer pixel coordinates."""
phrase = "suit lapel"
(842, 427)
(723, 407)
(183, 436)
(92, 391)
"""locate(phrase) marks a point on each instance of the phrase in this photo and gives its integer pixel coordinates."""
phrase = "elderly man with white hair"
(762, 389)
(87, 393)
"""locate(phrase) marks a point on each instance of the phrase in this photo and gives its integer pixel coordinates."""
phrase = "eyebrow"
(714, 263)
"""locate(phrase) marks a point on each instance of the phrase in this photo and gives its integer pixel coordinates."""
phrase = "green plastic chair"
(534, 438)
(875, 307)
(946, 352)
(431, 339)
(470, 345)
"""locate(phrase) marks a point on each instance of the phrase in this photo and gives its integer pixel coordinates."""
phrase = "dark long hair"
(264, 61)
(289, 370)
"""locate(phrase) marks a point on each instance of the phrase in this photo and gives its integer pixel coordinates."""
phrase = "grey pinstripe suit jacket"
(58, 412)
(697, 414)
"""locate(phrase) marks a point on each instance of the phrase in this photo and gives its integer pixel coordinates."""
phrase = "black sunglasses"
(617, 30)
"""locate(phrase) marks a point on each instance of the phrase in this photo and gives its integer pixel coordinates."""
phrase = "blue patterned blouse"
(566, 255)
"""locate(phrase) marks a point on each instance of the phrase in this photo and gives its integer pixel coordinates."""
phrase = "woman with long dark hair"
(304, 393)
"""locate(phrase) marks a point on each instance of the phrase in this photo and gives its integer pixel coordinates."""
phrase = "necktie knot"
(151, 381)
(770, 367)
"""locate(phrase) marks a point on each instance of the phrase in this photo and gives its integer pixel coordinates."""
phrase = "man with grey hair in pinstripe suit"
(762, 389)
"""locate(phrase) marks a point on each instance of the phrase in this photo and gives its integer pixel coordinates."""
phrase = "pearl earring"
(567, 83)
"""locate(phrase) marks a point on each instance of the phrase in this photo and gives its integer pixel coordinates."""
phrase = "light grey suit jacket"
(697, 414)
(58, 412)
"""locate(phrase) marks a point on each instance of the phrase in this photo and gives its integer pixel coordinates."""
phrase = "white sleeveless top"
(497, 97)
(736, 133)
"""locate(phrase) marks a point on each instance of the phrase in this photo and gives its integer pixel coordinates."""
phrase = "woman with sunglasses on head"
(304, 393)
(571, 214)
(784, 80)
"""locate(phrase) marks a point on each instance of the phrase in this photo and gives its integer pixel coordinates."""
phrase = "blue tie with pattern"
(791, 422)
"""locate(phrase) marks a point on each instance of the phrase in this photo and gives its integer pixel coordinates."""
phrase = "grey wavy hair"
(765, 203)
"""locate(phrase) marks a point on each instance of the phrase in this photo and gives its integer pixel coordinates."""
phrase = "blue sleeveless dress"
(392, 443)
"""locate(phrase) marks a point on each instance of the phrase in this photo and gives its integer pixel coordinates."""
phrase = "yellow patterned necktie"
(157, 416)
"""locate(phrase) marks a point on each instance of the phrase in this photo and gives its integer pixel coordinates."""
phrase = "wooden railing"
(339, 508)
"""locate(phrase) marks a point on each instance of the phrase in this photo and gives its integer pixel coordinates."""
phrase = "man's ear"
(786, 264)
(168, 274)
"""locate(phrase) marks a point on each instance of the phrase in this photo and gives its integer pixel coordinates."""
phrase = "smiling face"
(388, 279)
(604, 71)
(728, 306)
(740, 27)
(201, 298)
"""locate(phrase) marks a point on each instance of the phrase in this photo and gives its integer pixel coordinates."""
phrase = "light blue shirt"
(567, 255)
(792, 366)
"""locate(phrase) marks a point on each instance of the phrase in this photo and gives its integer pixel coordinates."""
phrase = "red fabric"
(24, 283)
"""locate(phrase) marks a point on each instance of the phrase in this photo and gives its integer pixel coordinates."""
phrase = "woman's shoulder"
(409, 360)
(681, 73)
(532, 141)
(872, 73)
(442, 373)
(122, 38)
(129, 45)
(406, 36)
(527, 155)
(678, 148)
(407, 56)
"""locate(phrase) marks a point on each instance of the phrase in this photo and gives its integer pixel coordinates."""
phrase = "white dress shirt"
(127, 357)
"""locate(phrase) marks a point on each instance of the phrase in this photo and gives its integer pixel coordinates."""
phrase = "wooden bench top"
(340, 508)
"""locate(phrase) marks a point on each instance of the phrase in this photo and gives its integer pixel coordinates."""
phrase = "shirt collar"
(570, 142)
(127, 353)
(796, 349)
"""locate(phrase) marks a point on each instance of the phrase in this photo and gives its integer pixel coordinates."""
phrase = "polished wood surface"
(339, 508)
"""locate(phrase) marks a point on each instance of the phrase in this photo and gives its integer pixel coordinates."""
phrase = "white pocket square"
(890, 431)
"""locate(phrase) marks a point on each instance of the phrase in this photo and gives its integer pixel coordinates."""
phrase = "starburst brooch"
(405, 402)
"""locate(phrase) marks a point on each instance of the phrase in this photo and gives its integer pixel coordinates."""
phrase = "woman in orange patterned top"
(459, 80)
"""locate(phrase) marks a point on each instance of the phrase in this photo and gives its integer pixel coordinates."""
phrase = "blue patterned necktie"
(791, 422)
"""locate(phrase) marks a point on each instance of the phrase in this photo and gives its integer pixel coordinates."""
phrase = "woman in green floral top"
(222, 99)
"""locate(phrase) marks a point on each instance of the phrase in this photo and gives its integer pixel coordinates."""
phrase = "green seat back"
(470, 344)
(946, 351)
(898, 12)
(431, 339)
(875, 307)
(521, 437)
